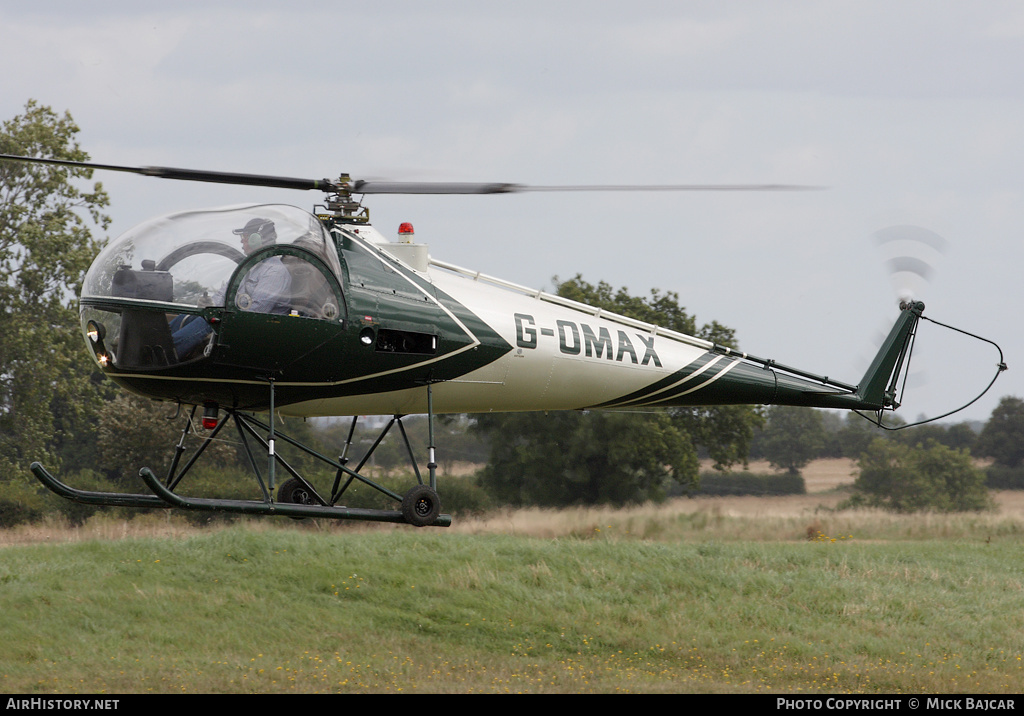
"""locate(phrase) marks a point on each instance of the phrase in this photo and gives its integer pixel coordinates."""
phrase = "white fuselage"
(564, 356)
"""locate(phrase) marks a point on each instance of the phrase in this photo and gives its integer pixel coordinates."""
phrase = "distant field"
(707, 595)
(761, 518)
(820, 475)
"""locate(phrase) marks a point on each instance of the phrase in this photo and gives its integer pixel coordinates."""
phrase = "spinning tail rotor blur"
(912, 255)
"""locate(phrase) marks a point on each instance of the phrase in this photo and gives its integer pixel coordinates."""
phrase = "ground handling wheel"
(421, 506)
(295, 492)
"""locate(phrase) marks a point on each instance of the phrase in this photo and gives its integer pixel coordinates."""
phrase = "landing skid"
(297, 497)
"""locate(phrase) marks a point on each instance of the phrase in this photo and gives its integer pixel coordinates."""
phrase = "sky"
(908, 116)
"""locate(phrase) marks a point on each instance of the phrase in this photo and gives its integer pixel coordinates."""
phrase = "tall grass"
(757, 519)
(697, 596)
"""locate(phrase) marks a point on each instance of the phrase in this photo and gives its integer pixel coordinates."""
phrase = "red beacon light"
(405, 231)
(211, 414)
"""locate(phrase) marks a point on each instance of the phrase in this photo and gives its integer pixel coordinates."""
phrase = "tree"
(612, 457)
(569, 457)
(961, 435)
(955, 436)
(137, 432)
(46, 245)
(903, 478)
(1002, 438)
(793, 437)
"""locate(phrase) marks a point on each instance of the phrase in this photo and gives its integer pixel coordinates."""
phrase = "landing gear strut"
(297, 497)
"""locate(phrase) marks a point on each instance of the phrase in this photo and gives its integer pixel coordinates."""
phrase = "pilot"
(266, 288)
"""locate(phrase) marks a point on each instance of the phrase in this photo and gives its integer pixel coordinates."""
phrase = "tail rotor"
(912, 255)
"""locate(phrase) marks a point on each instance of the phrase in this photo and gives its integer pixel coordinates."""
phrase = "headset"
(259, 233)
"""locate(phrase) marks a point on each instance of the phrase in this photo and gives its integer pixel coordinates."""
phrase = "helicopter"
(273, 309)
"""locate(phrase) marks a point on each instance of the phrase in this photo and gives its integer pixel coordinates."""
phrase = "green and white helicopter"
(272, 309)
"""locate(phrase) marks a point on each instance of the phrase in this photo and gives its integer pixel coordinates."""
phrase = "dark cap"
(253, 226)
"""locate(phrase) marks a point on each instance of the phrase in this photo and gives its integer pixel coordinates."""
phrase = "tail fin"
(877, 389)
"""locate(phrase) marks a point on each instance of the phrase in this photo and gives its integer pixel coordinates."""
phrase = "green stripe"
(640, 397)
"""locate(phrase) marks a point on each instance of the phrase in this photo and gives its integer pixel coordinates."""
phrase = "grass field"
(716, 595)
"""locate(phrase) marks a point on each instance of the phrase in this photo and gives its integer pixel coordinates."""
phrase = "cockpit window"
(270, 259)
(311, 294)
(189, 258)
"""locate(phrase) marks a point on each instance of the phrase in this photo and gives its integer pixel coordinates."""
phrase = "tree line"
(904, 468)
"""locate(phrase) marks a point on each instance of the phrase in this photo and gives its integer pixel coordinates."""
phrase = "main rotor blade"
(390, 187)
(387, 187)
(192, 174)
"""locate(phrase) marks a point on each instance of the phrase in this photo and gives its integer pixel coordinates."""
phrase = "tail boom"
(726, 376)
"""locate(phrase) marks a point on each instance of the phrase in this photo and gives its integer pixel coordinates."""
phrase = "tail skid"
(875, 384)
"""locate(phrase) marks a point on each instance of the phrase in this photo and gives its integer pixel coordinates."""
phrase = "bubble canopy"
(201, 249)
